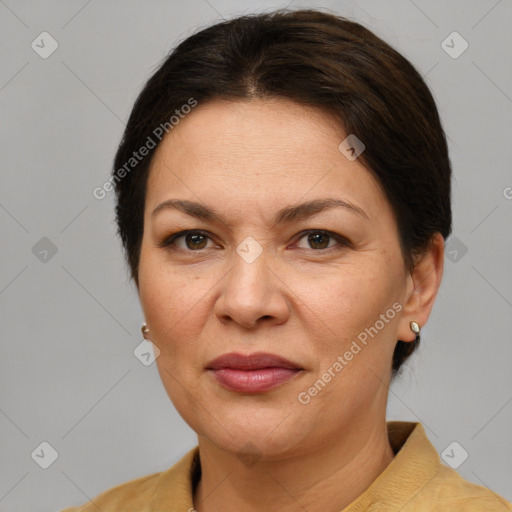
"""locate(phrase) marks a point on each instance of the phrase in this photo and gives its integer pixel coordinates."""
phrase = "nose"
(252, 294)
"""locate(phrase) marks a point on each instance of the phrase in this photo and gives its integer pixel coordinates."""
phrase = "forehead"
(277, 130)
(273, 151)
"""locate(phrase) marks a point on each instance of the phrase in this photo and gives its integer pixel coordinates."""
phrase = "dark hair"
(316, 59)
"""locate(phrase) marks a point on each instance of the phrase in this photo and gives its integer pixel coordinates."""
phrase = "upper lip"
(253, 361)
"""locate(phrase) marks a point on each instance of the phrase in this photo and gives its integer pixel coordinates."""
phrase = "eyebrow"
(284, 216)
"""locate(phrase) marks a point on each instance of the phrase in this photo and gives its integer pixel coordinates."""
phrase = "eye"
(193, 240)
(319, 240)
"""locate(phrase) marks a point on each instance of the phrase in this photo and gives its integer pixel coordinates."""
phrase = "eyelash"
(168, 242)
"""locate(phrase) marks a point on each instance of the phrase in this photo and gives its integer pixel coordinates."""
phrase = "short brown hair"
(316, 59)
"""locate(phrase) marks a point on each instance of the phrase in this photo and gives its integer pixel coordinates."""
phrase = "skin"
(299, 300)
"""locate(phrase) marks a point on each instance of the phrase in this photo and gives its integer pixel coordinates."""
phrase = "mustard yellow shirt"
(415, 481)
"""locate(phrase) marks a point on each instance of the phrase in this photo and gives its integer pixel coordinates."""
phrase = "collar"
(415, 464)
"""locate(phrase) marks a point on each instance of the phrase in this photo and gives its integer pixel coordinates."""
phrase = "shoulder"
(172, 486)
(450, 491)
(417, 480)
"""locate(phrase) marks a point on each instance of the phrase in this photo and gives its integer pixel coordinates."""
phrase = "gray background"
(70, 320)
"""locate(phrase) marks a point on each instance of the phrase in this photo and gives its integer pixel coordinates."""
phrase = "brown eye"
(194, 240)
(318, 240)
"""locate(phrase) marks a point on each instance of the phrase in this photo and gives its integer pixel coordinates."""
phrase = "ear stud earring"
(415, 328)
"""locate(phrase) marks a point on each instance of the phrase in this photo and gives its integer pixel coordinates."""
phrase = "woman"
(283, 197)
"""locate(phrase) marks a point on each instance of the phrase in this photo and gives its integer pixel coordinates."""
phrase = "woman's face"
(266, 273)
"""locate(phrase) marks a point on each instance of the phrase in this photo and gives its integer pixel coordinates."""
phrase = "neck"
(326, 479)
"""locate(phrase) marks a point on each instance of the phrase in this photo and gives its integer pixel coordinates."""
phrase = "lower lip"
(253, 381)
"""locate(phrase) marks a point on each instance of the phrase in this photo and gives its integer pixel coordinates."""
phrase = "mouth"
(253, 373)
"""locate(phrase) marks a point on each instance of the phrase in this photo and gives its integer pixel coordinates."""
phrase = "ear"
(422, 286)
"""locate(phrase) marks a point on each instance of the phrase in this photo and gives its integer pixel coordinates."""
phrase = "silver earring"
(144, 330)
(415, 328)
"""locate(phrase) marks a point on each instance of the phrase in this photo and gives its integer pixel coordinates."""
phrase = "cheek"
(348, 298)
(354, 312)
(169, 296)
(173, 302)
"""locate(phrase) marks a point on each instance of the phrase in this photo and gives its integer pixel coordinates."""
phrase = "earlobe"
(425, 280)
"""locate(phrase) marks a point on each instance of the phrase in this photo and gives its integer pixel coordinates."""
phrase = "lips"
(253, 373)
(254, 361)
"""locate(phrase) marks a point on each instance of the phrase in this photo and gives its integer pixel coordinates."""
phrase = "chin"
(251, 432)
